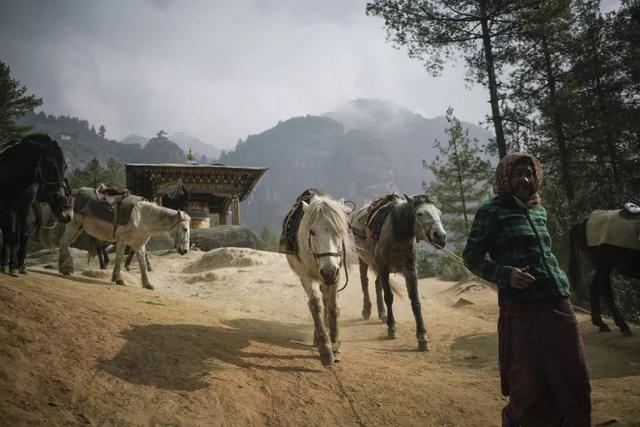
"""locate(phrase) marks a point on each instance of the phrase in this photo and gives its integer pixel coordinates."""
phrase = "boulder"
(205, 239)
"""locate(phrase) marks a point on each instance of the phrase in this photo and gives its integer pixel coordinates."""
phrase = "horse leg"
(127, 262)
(411, 281)
(317, 313)
(383, 277)
(146, 257)
(142, 262)
(23, 239)
(364, 281)
(3, 244)
(115, 276)
(100, 253)
(594, 293)
(382, 312)
(65, 262)
(13, 241)
(611, 302)
(332, 313)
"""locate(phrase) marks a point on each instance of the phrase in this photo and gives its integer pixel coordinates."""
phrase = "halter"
(428, 231)
(328, 254)
(39, 178)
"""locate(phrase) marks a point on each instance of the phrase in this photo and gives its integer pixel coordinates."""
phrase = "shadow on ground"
(180, 357)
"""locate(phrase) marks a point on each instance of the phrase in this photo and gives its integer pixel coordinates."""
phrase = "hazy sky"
(216, 70)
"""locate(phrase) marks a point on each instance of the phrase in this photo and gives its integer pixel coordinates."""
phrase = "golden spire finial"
(190, 155)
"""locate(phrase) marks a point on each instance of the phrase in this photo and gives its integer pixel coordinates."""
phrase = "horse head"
(53, 187)
(323, 233)
(181, 233)
(427, 220)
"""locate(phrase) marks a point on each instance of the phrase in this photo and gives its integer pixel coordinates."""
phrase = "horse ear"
(305, 206)
(409, 199)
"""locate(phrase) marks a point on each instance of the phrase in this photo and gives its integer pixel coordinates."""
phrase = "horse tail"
(577, 243)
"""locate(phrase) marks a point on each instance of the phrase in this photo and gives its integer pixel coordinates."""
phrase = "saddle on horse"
(106, 203)
(291, 222)
(377, 212)
(613, 227)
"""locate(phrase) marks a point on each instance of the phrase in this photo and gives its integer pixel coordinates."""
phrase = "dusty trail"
(225, 340)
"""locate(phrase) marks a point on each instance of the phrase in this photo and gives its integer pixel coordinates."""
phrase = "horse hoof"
(366, 314)
(3, 269)
(337, 356)
(327, 359)
(23, 270)
(626, 333)
(120, 282)
(148, 287)
(423, 346)
(382, 317)
(392, 334)
(13, 272)
(605, 328)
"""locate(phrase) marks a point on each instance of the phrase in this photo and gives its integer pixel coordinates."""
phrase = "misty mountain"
(135, 139)
(307, 152)
(198, 147)
(360, 151)
(407, 137)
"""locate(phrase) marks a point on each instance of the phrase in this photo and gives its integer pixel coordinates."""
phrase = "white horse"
(146, 218)
(323, 241)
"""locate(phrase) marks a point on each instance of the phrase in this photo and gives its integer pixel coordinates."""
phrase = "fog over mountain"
(217, 71)
(360, 151)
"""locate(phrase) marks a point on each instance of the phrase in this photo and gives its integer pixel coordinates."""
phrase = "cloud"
(215, 70)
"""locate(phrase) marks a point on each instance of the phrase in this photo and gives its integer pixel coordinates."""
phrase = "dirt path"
(225, 340)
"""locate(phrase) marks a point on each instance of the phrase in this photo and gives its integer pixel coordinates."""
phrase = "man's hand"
(520, 279)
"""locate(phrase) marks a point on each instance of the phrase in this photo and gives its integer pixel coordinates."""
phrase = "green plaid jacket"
(514, 236)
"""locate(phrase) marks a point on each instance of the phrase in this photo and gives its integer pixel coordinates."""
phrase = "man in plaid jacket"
(542, 364)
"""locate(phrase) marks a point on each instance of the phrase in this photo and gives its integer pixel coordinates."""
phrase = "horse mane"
(163, 213)
(322, 205)
(402, 220)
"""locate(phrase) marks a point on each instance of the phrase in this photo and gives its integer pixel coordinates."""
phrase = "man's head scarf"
(502, 184)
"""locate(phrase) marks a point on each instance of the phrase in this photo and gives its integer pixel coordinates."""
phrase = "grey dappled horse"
(409, 219)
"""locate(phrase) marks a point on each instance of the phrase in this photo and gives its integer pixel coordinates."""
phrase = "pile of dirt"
(229, 257)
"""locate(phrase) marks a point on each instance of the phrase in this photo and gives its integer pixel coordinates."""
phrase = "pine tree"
(460, 180)
(437, 30)
(102, 131)
(13, 105)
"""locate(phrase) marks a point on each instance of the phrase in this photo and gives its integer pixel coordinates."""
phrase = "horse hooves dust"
(423, 346)
(327, 359)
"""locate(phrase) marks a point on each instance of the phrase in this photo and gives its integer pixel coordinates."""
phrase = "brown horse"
(604, 258)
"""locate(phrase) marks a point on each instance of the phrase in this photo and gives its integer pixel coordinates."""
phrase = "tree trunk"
(491, 75)
(557, 125)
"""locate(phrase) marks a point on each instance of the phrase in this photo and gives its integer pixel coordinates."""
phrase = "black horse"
(604, 259)
(30, 169)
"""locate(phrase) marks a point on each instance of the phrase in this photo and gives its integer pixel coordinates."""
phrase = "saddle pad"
(608, 227)
(358, 222)
(377, 212)
(291, 223)
(86, 202)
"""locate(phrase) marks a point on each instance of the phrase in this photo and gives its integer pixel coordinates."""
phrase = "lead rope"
(344, 264)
